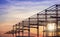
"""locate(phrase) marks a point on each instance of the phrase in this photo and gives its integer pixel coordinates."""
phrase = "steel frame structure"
(49, 15)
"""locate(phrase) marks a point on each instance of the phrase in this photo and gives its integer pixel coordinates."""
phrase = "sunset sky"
(14, 11)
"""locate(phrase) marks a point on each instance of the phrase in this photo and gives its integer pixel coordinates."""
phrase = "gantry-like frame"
(49, 15)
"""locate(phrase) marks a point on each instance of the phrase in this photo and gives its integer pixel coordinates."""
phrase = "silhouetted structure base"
(25, 36)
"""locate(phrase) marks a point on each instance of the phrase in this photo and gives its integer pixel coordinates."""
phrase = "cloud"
(22, 9)
(15, 11)
(32, 0)
(29, 0)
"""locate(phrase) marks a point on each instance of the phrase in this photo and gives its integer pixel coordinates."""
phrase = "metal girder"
(54, 17)
(48, 14)
(52, 10)
(39, 21)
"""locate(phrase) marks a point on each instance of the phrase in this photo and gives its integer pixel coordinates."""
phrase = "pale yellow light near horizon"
(51, 26)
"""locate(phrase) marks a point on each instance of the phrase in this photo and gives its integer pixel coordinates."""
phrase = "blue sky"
(3, 2)
(14, 11)
(28, 0)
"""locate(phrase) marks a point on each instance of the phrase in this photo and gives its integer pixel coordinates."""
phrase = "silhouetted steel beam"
(25, 36)
(37, 25)
(57, 4)
(54, 17)
(33, 27)
(47, 14)
(33, 24)
(39, 20)
(24, 29)
(52, 10)
(29, 27)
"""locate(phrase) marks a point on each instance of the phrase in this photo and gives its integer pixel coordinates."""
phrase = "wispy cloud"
(13, 9)
(17, 10)
(22, 9)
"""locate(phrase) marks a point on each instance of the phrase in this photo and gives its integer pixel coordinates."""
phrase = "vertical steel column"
(37, 25)
(13, 31)
(16, 30)
(56, 19)
(46, 21)
(22, 28)
(19, 30)
(29, 28)
(43, 28)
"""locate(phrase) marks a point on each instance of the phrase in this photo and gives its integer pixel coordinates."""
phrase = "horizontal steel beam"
(53, 10)
(23, 29)
(54, 17)
(48, 14)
